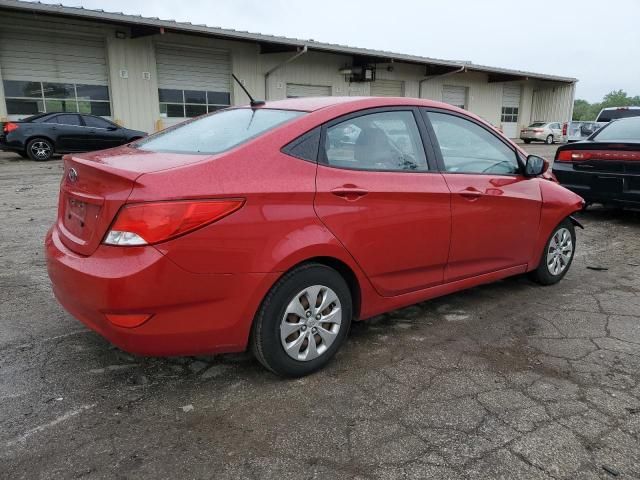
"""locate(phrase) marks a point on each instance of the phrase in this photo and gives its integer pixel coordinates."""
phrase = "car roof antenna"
(253, 102)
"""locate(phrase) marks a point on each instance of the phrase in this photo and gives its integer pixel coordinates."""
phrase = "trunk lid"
(94, 187)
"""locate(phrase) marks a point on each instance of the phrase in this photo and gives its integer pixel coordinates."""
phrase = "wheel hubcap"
(310, 323)
(559, 252)
(41, 150)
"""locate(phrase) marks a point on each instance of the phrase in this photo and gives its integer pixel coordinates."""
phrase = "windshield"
(217, 132)
(627, 130)
(608, 115)
(538, 124)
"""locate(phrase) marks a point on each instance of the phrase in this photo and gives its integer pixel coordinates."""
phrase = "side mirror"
(535, 166)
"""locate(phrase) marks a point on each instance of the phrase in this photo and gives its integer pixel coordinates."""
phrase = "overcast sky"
(596, 41)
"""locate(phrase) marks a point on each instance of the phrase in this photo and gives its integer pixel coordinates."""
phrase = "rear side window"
(96, 122)
(218, 132)
(468, 148)
(376, 141)
(614, 114)
(620, 131)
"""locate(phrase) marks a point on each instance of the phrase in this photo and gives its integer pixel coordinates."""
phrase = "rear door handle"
(471, 193)
(349, 192)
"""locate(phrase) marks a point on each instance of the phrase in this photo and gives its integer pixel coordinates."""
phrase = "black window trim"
(422, 131)
(290, 146)
(438, 154)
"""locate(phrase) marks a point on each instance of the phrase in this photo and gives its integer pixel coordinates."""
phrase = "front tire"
(557, 255)
(549, 140)
(303, 321)
(40, 149)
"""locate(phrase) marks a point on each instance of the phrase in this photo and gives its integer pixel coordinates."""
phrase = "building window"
(509, 115)
(191, 103)
(29, 98)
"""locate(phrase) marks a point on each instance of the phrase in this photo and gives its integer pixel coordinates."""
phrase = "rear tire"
(549, 140)
(289, 336)
(40, 149)
(527, 141)
(557, 255)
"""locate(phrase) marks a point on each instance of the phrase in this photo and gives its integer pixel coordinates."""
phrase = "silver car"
(547, 132)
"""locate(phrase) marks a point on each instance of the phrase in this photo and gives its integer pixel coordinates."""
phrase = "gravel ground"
(509, 380)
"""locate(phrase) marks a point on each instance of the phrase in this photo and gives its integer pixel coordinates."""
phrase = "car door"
(70, 133)
(557, 132)
(102, 133)
(378, 191)
(495, 210)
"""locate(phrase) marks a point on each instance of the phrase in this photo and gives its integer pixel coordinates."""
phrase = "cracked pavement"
(505, 381)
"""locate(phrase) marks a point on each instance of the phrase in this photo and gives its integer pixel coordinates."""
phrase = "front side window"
(191, 103)
(376, 141)
(68, 120)
(468, 148)
(218, 132)
(27, 97)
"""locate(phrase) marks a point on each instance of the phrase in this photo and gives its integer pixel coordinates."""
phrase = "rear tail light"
(584, 155)
(9, 127)
(564, 128)
(154, 222)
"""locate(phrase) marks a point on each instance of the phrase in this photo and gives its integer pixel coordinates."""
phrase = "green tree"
(581, 109)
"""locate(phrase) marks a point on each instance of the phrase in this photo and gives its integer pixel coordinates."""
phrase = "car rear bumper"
(599, 186)
(191, 313)
(10, 146)
(534, 136)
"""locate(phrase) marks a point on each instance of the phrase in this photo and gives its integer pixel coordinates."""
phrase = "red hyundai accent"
(276, 226)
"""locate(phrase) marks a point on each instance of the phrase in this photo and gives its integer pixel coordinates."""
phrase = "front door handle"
(471, 193)
(349, 192)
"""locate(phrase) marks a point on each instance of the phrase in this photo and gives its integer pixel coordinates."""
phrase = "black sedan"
(40, 136)
(605, 168)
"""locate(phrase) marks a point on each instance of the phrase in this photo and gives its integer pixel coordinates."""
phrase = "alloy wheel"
(559, 252)
(310, 323)
(41, 150)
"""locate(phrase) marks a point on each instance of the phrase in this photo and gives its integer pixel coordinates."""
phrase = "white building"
(146, 73)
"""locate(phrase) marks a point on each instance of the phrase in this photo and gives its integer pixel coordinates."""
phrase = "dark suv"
(40, 136)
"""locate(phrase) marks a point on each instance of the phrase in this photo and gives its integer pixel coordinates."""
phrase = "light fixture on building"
(358, 74)
(120, 34)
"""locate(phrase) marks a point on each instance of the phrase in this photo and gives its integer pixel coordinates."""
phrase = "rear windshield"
(217, 132)
(608, 115)
(538, 124)
(620, 131)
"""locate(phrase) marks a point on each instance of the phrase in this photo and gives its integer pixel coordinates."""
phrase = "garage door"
(455, 95)
(387, 88)
(510, 110)
(295, 90)
(192, 81)
(53, 72)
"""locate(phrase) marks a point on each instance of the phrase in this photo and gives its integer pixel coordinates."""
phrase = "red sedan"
(276, 226)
